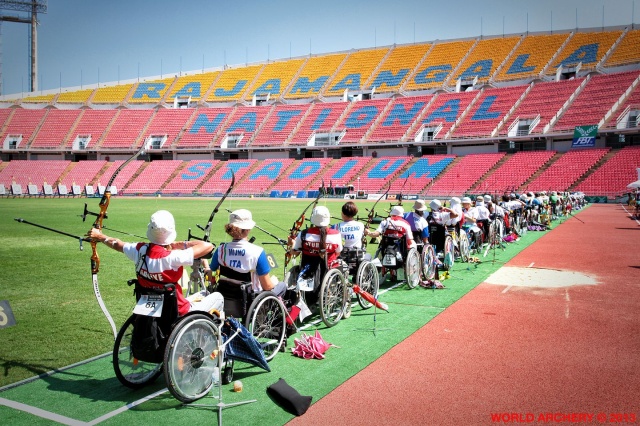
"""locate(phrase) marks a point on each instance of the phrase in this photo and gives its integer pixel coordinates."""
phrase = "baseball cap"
(242, 219)
(162, 228)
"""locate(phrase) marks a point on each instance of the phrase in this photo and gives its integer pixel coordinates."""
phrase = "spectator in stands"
(351, 230)
(319, 240)
(161, 261)
(394, 225)
(417, 221)
(242, 260)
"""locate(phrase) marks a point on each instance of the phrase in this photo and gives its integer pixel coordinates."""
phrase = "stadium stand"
(321, 117)
(279, 125)
(342, 172)
(621, 118)
(440, 62)
(75, 97)
(42, 99)
(204, 126)
(420, 173)
(355, 71)
(566, 170)
(314, 75)
(514, 172)
(302, 174)
(586, 48)
(36, 172)
(626, 52)
(530, 57)
(218, 182)
(590, 106)
(54, 130)
(485, 57)
(263, 176)
(190, 177)
(464, 173)
(446, 110)
(83, 173)
(540, 105)
(614, 175)
(487, 111)
(377, 174)
(127, 128)
(243, 122)
(232, 84)
(359, 117)
(150, 92)
(274, 78)
(395, 122)
(151, 178)
(396, 68)
(123, 177)
(91, 127)
(111, 94)
(167, 124)
(23, 123)
(193, 86)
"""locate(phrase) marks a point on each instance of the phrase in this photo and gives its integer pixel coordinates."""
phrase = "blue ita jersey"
(244, 257)
(351, 232)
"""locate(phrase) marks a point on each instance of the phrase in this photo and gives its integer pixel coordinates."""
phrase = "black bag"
(147, 340)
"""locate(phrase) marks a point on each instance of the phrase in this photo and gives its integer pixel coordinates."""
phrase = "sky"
(85, 42)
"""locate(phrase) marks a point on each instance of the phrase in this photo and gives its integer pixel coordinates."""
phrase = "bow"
(297, 224)
(95, 258)
(371, 216)
(196, 279)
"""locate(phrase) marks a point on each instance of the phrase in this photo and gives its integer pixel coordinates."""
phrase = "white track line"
(126, 407)
(630, 215)
(42, 413)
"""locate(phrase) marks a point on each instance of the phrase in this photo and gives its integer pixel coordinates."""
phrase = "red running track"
(523, 355)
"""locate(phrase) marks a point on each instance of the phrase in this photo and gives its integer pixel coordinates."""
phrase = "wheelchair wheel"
(266, 321)
(333, 296)
(412, 268)
(464, 246)
(367, 280)
(428, 262)
(448, 260)
(191, 356)
(132, 372)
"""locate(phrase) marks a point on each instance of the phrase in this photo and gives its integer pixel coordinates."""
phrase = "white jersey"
(352, 233)
(243, 257)
(482, 212)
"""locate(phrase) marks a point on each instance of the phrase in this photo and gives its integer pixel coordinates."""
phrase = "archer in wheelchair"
(321, 277)
(397, 249)
(167, 332)
(362, 272)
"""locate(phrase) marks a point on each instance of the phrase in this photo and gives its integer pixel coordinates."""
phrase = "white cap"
(162, 228)
(419, 205)
(455, 201)
(321, 216)
(435, 204)
(466, 200)
(241, 219)
(397, 211)
(487, 198)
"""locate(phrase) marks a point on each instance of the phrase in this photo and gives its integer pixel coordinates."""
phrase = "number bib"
(149, 305)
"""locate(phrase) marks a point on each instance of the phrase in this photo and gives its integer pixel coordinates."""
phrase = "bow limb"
(95, 258)
(297, 224)
(371, 216)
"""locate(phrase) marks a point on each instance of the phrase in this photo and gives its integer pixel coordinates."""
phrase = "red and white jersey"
(311, 244)
(396, 226)
(160, 266)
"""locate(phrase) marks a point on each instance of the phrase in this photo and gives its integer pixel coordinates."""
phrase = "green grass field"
(47, 280)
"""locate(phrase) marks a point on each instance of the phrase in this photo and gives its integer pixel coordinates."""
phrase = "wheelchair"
(186, 349)
(363, 273)
(396, 256)
(442, 241)
(321, 285)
